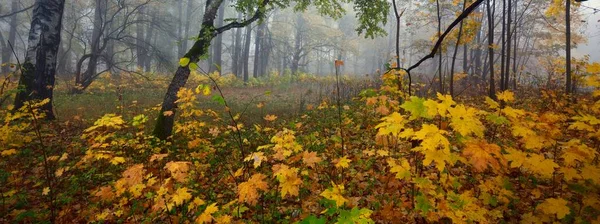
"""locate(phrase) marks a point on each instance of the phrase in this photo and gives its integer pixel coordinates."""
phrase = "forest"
(300, 111)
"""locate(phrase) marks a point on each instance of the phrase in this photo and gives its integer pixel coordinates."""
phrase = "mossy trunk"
(164, 124)
(39, 69)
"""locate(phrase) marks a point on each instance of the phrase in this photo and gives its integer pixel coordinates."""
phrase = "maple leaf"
(270, 118)
(465, 121)
(432, 138)
(290, 184)
(45, 191)
(481, 154)
(506, 96)
(570, 173)
(438, 156)
(158, 157)
(288, 179)
(335, 194)
(117, 160)
(592, 173)
(257, 157)
(416, 108)
(556, 206)
(491, 103)
(134, 175)
(391, 124)
(343, 162)
(105, 193)
(8, 152)
(540, 165)
(401, 170)
(310, 158)
(446, 103)
(206, 216)
(248, 191)
(181, 195)
(225, 219)
(178, 170)
(136, 190)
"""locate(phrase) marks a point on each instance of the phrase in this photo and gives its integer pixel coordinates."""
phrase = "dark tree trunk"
(460, 30)
(439, 18)
(503, 49)
(139, 40)
(92, 65)
(186, 32)
(258, 49)
(246, 55)
(492, 90)
(149, 37)
(235, 62)
(6, 50)
(508, 45)
(217, 57)
(39, 67)
(568, 86)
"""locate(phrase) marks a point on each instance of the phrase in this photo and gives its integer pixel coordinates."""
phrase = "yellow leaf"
(179, 170)
(464, 120)
(183, 62)
(257, 157)
(117, 160)
(225, 219)
(270, 118)
(168, 113)
(506, 96)
(206, 216)
(46, 191)
(553, 206)
(342, 162)
(592, 173)
(181, 195)
(481, 155)
(401, 170)
(8, 152)
(248, 191)
(310, 158)
(335, 194)
(136, 190)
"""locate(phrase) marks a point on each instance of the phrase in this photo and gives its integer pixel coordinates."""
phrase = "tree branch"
(16, 12)
(260, 11)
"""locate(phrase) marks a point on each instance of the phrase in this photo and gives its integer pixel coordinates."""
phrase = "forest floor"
(289, 152)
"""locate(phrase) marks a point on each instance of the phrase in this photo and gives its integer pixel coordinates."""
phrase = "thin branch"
(16, 12)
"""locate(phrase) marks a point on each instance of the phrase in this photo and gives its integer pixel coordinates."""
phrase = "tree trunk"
(245, 57)
(92, 65)
(217, 57)
(186, 32)
(508, 45)
(39, 67)
(503, 47)
(259, 48)
(492, 90)
(439, 18)
(460, 30)
(568, 47)
(139, 40)
(149, 36)
(6, 50)
(235, 62)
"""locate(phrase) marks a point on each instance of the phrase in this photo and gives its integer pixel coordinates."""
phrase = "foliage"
(437, 159)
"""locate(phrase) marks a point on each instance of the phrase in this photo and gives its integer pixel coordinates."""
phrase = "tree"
(370, 13)
(39, 67)
(492, 90)
(6, 50)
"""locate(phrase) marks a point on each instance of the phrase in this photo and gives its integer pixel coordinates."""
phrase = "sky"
(592, 31)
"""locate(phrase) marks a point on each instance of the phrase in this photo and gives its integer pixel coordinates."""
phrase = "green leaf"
(184, 62)
(193, 66)
(312, 219)
(219, 100)
(416, 108)
(423, 204)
